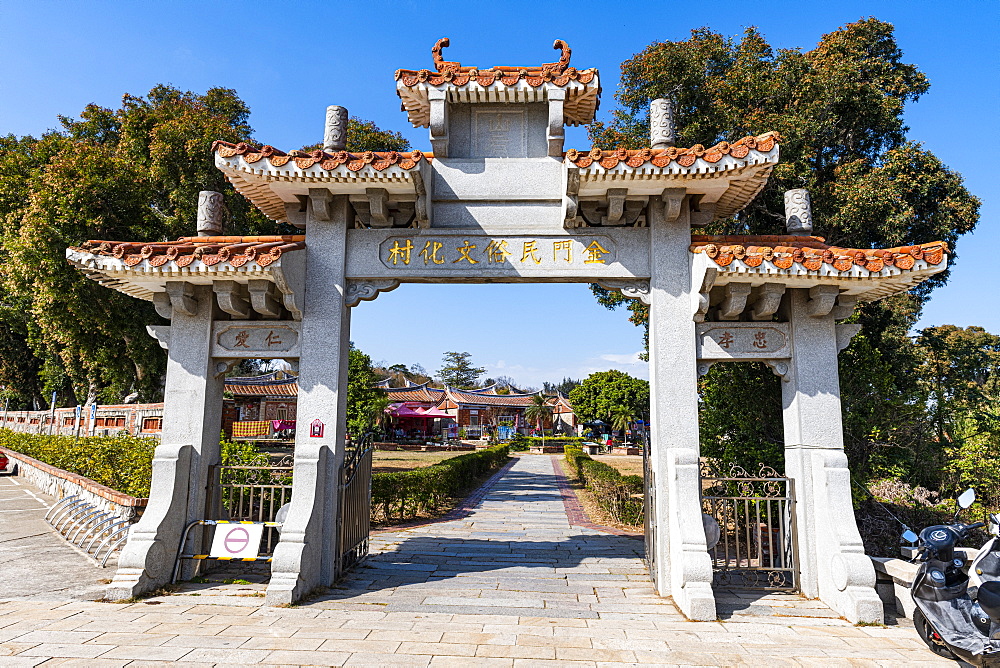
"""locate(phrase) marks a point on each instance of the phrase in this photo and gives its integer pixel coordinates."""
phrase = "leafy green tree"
(365, 403)
(603, 393)
(457, 370)
(130, 173)
(839, 110)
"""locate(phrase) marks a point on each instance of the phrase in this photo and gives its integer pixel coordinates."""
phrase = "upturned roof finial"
(440, 63)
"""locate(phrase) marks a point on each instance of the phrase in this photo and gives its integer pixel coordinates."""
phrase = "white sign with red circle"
(236, 541)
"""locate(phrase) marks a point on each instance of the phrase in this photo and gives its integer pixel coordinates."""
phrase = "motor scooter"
(957, 613)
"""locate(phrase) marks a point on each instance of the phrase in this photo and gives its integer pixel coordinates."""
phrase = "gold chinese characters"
(461, 251)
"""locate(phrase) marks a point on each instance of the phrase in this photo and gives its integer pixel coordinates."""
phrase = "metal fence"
(253, 493)
(757, 546)
(354, 513)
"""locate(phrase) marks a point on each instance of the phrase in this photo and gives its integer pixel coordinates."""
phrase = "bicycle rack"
(85, 525)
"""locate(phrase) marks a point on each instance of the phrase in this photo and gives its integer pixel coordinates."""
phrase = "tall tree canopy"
(603, 394)
(839, 110)
(458, 371)
(131, 173)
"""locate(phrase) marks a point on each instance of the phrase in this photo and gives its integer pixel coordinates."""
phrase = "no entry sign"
(236, 541)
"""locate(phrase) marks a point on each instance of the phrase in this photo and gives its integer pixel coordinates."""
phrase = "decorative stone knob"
(661, 124)
(335, 137)
(798, 212)
(211, 207)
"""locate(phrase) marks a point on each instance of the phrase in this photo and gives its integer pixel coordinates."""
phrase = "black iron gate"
(648, 515)
(354, 511)
(757, 546)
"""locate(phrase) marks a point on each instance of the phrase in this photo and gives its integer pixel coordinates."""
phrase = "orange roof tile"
(236, 251)
(280, 389)
(454, 73)
(685, 157)
(782, 251)
(377, 160)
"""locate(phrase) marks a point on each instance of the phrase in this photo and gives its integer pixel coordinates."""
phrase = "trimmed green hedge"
(405, 494)
(613, 491)
(123, 462)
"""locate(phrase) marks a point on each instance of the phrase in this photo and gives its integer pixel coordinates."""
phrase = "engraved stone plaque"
(500, 133)
(255, 339)
(743, 340)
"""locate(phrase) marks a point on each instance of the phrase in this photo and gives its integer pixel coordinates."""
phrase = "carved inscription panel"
(255, 339)
(743, 340)
(500, 134)
(494, 252)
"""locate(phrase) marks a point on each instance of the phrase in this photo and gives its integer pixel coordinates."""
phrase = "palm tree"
(538, 412)
(621, 418)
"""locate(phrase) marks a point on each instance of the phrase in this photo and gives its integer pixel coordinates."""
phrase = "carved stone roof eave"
(143, 280)
(579, 108)
(857, 282)
(740, 180)
(269, 188)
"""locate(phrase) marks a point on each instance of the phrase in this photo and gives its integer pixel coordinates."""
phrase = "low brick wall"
(60, 484)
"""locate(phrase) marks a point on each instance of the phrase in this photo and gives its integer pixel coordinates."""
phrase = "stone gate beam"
(189, 445)
(682, 565)
(305, 557)
(833, 565)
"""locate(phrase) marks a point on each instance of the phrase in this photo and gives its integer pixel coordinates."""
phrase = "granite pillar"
(189, 445)
(683, 568)
(306, 556)
(832, 562)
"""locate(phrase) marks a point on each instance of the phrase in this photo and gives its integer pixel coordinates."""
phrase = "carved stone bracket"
(182, 299)
(617, 210)
(768, 300)
(845, 333)
(224, 366)
(780, 368)
(321, 201)
(821, 300)
(264, 298)
(555, 133)
(161, 333)
(421, 213)
(630, 288)
(704, 294)
(366, 291)
(672, 200)
(571, 202)
(233, 298)
(161, 302)
(438, 101)
(704, 366)
(736, 300)
(845, 307)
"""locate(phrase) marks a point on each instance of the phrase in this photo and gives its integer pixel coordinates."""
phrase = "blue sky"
(289, 60)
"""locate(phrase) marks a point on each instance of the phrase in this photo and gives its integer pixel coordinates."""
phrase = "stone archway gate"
(499, 200)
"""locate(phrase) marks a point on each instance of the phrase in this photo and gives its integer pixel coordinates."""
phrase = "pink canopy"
(416, 411)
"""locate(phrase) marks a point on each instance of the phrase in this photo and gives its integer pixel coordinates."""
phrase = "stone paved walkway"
(512, 583)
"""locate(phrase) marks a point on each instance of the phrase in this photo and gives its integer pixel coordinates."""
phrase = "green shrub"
(122, 462)
(614, 492)
(405, 494)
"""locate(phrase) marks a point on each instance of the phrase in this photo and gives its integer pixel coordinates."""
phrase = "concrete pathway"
(35, 562)
(512, 583)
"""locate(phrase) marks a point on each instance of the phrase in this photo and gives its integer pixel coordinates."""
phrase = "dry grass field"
(395, 461)
(626, 464)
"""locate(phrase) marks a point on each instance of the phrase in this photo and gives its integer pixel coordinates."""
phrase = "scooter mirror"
(909, 536)
(967, 498)
(995, 524)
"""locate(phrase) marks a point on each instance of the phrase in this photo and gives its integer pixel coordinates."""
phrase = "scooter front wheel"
(930, 636)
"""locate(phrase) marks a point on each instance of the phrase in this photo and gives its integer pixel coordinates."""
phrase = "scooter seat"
(989, 599)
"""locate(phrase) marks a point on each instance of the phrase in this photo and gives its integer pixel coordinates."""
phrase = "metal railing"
(757, 546)
(88, 527)
(354, 513)
(252, 493)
